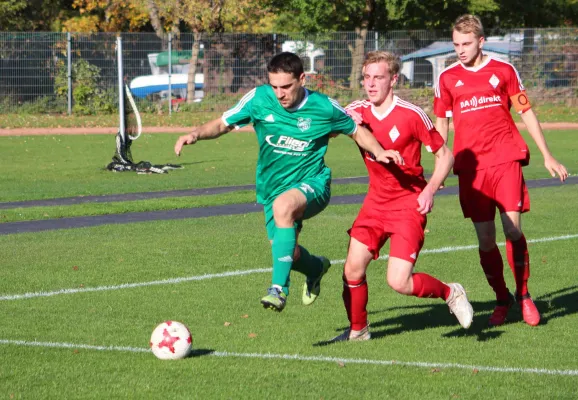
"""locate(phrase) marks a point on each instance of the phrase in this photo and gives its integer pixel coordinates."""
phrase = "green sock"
(308, 264)
(282, 248)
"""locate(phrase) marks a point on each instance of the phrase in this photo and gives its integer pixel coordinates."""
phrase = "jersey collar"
(479, 67)
(379, 116)
(302, 103)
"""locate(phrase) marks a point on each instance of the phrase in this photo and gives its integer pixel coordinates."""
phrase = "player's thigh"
(289, 206)
(476, 195)
(407, 234)
(368, 228)
(358, 258)
(317, 193)
(511, 192)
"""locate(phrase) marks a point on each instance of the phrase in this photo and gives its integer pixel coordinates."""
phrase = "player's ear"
(482, 40)
(394, 79)
(302, 78)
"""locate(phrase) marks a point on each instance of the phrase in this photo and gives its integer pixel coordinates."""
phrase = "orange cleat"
(529, 311)
(500, 313)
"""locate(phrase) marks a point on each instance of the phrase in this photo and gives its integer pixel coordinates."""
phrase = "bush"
(87, 95)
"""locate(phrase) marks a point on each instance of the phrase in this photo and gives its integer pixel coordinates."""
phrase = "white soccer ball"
(171, 340)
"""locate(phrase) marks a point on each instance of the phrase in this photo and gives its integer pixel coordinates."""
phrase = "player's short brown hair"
(469, 23)
(391, 59)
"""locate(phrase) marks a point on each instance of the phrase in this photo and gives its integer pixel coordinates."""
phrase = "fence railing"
(77, 72)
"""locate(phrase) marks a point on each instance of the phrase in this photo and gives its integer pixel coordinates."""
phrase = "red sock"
(493, 266)
(425, 285)
(519, 261)
(355, 301)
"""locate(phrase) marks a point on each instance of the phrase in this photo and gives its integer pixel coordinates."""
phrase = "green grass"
(43, 167)
(405, 329)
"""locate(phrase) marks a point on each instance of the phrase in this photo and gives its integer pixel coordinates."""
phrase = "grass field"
(79, 305)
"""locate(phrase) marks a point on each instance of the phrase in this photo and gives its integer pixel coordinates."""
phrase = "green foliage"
(87, 95)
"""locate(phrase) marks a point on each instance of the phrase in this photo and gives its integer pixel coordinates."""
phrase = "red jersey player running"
(397, 201)
(478, 91)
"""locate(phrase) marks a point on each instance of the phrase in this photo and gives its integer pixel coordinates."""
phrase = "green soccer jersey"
(292, 143)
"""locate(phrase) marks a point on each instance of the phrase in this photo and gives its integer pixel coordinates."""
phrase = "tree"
(203, 16)
(33, 15)
(107, 16)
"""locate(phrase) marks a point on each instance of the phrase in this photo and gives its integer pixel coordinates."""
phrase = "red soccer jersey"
(403, 127)
(479, 100)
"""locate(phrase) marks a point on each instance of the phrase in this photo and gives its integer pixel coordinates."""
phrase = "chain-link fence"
(77, 73)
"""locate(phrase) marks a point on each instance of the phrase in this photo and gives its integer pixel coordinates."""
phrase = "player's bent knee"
(399, 285)
(354, 272)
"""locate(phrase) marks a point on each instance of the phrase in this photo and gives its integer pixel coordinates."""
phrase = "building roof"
(445, 47)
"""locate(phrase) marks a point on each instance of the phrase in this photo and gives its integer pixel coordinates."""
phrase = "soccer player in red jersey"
(397, 201)
(477, 92)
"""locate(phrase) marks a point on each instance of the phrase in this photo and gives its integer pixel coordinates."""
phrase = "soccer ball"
(171, 340)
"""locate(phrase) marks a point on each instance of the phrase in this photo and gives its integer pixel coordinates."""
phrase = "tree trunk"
(155, 19)
(358, 48)
(193, 66)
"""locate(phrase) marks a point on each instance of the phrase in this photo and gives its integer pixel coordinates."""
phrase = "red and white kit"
(390, 207)
(486, 140)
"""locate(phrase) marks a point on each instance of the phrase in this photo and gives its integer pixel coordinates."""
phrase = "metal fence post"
(170, 74)
(69, 73)
(120, 85)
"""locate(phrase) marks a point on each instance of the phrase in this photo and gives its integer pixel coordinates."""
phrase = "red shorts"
(404, 227)
(500, 186)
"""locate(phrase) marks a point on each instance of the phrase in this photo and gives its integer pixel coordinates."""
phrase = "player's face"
(468, 47)
(287, 88)
(378, 82)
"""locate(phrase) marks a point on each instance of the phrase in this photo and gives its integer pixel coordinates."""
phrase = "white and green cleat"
(311, 289)
(275, 299)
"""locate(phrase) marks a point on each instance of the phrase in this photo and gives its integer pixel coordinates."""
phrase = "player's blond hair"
(469, 23)
(393, 61)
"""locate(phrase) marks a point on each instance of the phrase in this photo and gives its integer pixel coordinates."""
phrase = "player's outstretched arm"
(443, 164)
(368, 142)
(211, 130)
(535, 130)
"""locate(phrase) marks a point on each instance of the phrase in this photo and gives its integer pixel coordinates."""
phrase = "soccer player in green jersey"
(293, 127)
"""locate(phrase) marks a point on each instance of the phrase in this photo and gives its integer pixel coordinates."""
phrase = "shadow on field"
(551, 305)
(200, 352)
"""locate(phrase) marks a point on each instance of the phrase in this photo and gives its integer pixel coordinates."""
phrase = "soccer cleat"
(530, 313)
(311, 288)
(459, 305)
(351, 335)
(500, 313)
(275, 299)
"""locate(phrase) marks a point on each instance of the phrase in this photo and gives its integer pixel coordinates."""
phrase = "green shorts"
(317, 191)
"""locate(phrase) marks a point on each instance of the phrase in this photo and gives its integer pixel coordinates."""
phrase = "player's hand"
(184, 140)
(425, 201)
(387, 156)
(554, 167)
(355, 116)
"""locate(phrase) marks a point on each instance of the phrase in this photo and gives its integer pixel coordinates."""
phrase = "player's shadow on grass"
(552, 305)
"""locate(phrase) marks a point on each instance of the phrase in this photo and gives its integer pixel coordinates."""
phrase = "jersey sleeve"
(340, 121)
(426, 132)
(443, 102)
(517, 91)
(241, 113)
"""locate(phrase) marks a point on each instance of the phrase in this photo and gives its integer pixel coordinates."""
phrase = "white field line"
(30, 295)
(297, 357)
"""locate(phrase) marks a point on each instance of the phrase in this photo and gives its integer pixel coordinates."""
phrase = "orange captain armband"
(521, 102)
